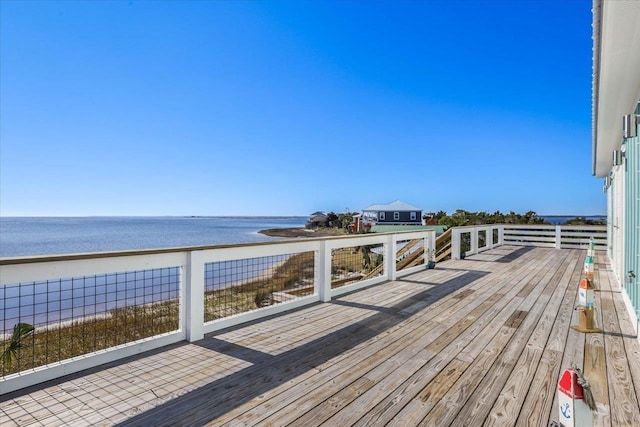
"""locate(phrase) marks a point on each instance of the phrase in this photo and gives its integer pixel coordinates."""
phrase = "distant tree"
(340, 220)
(440, 214)
(331, 219)
(531, 218)
(461, 217)
(496, 218)
(581, 220)
(344, 220)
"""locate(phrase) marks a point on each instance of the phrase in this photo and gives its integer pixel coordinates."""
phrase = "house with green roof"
(394, 213)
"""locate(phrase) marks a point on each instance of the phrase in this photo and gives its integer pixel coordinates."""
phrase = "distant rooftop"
(393, 206)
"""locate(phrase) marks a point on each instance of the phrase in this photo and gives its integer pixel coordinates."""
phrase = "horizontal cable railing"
(62, 314)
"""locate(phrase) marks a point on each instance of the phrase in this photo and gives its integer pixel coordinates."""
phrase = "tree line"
(462, 217)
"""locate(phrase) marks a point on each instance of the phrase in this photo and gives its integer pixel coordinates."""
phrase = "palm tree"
(20, 332)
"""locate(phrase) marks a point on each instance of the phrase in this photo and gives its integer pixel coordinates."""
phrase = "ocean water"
(27, 236)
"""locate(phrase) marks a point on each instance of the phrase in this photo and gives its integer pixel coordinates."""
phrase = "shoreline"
(303, 232)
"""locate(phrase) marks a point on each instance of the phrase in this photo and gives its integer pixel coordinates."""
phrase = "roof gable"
(393, 206)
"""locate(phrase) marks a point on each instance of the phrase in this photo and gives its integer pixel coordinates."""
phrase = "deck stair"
(443, 246)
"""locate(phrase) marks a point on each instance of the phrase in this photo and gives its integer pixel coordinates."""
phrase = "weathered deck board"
(595, 367)
(623, 400)
(479, 341)
(477, 408)
(329, 374)
(538, 404)
(514, 392)
(508, 315)
(413, 385)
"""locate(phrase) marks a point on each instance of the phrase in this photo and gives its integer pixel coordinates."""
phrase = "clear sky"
(289, 107)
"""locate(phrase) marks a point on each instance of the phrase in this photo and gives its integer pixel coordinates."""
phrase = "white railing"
(475, 239)
(57, 292)
(177, 285)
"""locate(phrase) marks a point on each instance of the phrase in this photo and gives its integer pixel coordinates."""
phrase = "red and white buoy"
(586, 296)
(591, 248)
(573, 410)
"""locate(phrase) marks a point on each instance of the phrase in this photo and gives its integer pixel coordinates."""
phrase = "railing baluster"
(193, 296)
(390, 257)
(455, 243)
(474, 240)
(323, 271)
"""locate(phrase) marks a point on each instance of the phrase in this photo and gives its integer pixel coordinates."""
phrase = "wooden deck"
(474, 342)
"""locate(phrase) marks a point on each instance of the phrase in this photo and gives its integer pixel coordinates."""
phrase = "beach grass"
(63, 341)
(295, 274)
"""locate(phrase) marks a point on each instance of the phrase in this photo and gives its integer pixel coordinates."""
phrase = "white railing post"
(501, 235)
(474, 240)
(431, 243)
(390, 257)
(193, 313)
(323, 272)
(489, 237)
(455, 243)
(558, 236)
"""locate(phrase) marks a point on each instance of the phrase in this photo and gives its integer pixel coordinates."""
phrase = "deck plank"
(511, 399)
(386, 409)
(335, 368)
(625, 410)
(439, 334)
(477, 408)
(536, 409)
(595, 367)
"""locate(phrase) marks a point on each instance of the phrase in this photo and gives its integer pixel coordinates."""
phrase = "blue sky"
(288, 107)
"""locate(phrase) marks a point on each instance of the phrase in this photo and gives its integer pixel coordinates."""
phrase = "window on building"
(381, 216)
(413, 216)
(396, 216)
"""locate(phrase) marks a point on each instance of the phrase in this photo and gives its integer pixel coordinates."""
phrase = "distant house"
(394, 213)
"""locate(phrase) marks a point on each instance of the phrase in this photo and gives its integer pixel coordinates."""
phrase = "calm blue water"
(25, 236)
(21, 236)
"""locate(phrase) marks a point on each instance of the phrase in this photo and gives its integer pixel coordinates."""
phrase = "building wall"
(615, 199)
(624, 218)
(632, 221)
(404, 217)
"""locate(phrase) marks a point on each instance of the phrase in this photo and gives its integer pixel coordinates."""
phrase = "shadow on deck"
(269, 370)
